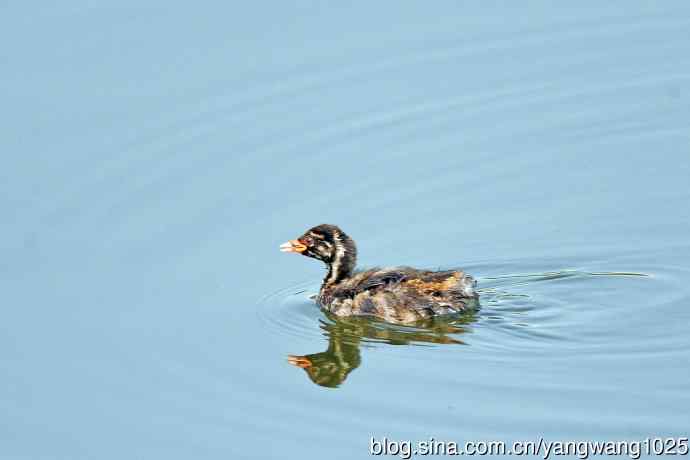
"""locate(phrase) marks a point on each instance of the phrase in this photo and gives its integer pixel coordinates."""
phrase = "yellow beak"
(293, 246)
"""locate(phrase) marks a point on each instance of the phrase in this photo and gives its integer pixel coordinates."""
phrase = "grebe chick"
(401, 295)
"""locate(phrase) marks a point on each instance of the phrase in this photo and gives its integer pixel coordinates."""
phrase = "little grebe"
(400, 295)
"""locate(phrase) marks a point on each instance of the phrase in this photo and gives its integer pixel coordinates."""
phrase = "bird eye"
(308, 241)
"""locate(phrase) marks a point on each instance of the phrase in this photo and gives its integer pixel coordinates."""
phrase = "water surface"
(156, 156)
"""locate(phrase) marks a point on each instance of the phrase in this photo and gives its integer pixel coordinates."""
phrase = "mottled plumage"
(399, 294)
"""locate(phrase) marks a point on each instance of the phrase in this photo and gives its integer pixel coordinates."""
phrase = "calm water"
(154, 157)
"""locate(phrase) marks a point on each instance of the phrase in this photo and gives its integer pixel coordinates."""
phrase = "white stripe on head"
(337, 259)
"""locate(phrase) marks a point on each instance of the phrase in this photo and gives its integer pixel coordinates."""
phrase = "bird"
(399, 295)
(331, 368)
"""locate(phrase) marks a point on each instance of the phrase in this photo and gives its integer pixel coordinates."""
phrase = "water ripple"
(565, 309)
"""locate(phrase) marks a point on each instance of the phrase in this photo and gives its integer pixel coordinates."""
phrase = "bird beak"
(293, 246)
(299, 361)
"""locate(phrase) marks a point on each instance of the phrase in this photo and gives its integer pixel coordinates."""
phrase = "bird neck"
(343, 262)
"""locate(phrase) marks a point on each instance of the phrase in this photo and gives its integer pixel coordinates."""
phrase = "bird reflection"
(330, 368)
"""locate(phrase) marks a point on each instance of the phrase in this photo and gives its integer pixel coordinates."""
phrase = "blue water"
(155, 155)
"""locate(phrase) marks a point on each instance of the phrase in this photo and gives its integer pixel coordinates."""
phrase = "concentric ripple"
(569, 308)
(290, 311)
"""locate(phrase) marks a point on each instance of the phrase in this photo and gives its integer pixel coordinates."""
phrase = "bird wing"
(380, 278)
